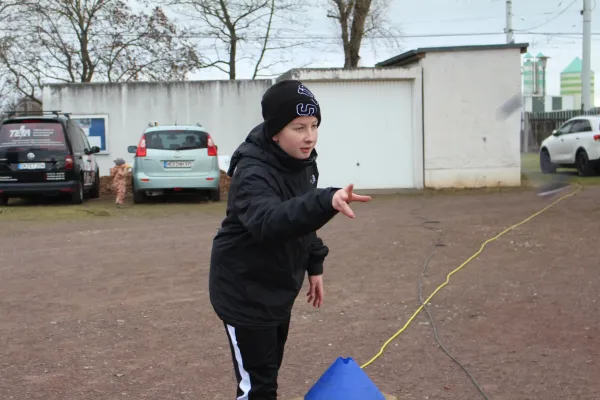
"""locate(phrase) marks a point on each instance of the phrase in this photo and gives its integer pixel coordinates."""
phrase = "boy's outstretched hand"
(343, 197)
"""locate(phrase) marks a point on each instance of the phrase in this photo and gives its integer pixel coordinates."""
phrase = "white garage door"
(366, 136)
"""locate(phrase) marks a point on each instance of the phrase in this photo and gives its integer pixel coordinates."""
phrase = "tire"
(138, 197)
(215, 195)
(95, 191)
(4, 201)
(77, 195)
(584, 166)
(546, 164)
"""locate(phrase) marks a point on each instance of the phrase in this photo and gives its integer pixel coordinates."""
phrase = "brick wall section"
(107, 189)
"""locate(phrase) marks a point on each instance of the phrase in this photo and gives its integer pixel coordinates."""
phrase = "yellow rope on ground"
(543, 210)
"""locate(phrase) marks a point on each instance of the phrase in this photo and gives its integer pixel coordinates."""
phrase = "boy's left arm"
(318, 252)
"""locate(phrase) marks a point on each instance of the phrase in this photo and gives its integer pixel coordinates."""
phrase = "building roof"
(575, 67)
(412, 56)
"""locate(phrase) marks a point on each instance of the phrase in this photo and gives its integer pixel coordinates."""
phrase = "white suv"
(576, 144)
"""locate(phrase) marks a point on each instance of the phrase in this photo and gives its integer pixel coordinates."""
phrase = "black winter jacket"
(267, 241)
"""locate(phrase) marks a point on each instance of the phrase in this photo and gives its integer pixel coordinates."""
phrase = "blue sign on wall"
(94, 127)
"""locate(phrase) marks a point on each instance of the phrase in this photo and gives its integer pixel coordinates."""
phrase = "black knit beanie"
(285, 101)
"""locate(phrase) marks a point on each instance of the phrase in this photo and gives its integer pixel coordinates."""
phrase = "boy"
(119, 175)
(267, 241)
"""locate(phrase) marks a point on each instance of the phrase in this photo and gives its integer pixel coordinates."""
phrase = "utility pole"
(586, 72)
(510, 38)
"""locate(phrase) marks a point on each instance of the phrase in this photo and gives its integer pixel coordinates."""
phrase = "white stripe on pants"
(245, 382)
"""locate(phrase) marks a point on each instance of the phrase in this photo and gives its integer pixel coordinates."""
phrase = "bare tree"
(6, 6)
(359, 20)
(20, 72)
(8, 14)
(245, 31)
(93, 40)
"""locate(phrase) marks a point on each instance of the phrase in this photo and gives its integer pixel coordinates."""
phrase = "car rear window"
(32, 134)
(176, 140)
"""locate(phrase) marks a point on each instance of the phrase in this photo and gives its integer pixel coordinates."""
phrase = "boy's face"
(299, 137)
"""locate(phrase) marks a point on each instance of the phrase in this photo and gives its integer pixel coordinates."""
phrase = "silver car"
(175, 159)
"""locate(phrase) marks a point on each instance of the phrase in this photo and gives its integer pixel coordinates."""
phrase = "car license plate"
(30, 166)
(178, 164)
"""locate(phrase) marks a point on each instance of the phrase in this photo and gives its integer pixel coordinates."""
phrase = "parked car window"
(85, 140)
(78, 143)
(177, 140)
(34, 134)
(585, 126)
(82, 135)
(565, 128)
(581, 125)
(575, 126)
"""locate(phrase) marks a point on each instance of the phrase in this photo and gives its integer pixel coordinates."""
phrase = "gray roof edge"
(296, 73)
(410, 56)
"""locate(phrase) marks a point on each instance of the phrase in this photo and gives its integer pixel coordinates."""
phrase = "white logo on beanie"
(306, 110)
(304, 90)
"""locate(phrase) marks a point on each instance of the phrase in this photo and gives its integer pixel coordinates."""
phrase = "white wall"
(466, 144)
(577, 100)
(228, 109)
(568, 103)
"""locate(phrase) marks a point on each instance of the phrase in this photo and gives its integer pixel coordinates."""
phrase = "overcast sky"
(443, 17)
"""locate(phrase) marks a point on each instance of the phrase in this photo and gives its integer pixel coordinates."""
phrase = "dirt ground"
(114, 304)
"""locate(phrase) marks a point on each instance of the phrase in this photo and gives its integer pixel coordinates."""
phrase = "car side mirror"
(555, 133)
(95, 150)
(132, 149)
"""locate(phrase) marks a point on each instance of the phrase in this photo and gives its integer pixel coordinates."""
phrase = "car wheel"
(95, 191)
(77, 196)
(546, 164)
(215, 195)
(138, 197)
(584, 166)
(4, 201)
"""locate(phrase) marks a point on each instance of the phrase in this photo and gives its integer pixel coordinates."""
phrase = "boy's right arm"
(266, 217)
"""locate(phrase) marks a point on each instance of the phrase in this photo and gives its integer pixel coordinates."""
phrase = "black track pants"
(257, 355)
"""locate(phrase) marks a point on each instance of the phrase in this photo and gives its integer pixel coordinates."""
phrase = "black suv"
(46, 153)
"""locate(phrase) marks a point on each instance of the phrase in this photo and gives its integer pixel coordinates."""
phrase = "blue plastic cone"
(344, 380)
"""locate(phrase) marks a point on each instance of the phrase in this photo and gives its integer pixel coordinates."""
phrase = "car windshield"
(176, 140)
(32, 134)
